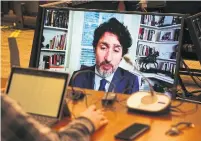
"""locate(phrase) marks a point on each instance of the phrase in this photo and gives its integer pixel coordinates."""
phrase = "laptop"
(40, 93)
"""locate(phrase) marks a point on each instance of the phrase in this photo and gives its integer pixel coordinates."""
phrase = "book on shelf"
(55, 60)
(58, 42)
(176, 34)
(148, 34)
(169, 35)
(46, 62)
(57, 67)
(56, 18)
(145, 50)
(160, 21)
(154, 35)
(168, 67)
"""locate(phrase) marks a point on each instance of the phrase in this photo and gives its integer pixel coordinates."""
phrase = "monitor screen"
(98, 41)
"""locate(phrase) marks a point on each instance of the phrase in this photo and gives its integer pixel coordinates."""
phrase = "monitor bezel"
(45, 73)
(178, 58)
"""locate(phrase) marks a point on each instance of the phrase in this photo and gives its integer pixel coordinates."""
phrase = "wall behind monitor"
(184, 7)
(104, 5)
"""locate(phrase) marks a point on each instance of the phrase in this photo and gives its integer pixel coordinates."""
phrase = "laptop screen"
(38, 92)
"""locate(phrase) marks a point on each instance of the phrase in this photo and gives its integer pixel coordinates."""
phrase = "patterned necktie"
(102, 85)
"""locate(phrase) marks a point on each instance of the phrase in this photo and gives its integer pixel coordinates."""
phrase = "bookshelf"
(165, 27)
(54, 43)
(55, 28)
(158, 36)
(54, 50)
(161, 42)
(157, 76)
(171, 60)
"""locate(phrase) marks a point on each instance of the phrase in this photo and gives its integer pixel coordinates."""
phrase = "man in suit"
(111, 42)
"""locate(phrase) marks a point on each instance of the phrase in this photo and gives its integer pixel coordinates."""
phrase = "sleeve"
(24, 127)
(80, 130)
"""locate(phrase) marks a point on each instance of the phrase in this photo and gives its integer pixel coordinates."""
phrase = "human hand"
(95, 116)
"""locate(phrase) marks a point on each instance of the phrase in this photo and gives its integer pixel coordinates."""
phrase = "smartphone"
(132, 131)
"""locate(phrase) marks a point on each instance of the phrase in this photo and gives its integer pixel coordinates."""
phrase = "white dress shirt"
(98, 79)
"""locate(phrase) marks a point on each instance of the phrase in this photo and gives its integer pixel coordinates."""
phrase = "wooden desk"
(119, 118)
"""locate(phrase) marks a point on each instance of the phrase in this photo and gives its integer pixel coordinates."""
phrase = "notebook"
(40, 93)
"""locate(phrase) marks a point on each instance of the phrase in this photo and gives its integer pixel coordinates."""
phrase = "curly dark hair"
(115, 27)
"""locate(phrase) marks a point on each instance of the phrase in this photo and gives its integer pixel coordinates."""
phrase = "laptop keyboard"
(47, 121)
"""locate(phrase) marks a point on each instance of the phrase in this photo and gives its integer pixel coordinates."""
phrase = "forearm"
(15, 121)
(80, 130)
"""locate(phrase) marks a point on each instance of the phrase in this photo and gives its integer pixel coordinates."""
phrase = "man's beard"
(102, 72)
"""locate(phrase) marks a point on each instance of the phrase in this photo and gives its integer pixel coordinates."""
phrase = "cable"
(120, 102)
(186, 93)
(71, 112)
(198, 78)
(176, 109)
(190, 73)
(128, 78)
(127, 59)
(174, 130)
(70, 98)
(76, 96)
(175, 106)
(86, 103)
(85, 71)
(105, 100)
(196, 91)
(183, 123)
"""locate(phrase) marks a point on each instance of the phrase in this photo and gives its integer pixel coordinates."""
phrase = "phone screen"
(132, 131)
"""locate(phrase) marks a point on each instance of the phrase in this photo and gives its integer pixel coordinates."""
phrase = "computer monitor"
(151, 41)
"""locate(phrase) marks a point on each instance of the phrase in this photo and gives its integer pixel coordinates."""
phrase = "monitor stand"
(188, 96)
(194, 72)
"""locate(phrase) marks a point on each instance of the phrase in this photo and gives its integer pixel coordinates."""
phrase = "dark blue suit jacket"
(124, 81)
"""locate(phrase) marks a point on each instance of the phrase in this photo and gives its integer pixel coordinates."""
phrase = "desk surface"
(120, 118)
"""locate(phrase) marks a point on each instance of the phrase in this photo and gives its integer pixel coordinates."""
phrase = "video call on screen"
(155, 40)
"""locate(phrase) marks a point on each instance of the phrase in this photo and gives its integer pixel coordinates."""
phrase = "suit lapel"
(90, 78)
(116, 80)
